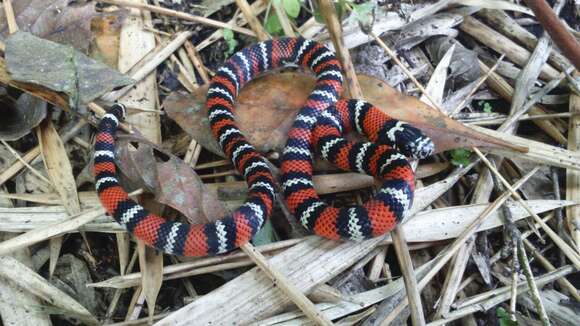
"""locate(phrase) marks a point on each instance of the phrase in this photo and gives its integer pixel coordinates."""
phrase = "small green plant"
(361, 12)
(460, 157)
(292, 9)
(273, 25)
(487, 108)
(230, 40)
(504, 318)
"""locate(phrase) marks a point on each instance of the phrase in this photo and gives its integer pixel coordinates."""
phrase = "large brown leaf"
(266, 108)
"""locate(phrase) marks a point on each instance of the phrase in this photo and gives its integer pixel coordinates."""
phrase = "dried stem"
(254, 23)
(525, 264)
(569, 252)
(181, 15)
(561, 36)
(289, 289)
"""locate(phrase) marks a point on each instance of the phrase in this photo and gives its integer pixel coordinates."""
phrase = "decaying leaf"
(105, 44)
(173, 182)
(266, 108)
(62, 21)
(58, 67)
(71, 276)
(20, 116)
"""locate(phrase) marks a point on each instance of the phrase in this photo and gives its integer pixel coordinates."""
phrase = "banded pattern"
(320, 122)
(385, 158)
(231, 231)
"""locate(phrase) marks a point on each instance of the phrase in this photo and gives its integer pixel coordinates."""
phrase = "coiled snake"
(319, 125)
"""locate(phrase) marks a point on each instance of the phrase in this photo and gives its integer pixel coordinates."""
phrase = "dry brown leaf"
(172, 182)
(20, 116)
(266, 108)
(62, 21)
(105, 45)
(59, 170)
(29, 280)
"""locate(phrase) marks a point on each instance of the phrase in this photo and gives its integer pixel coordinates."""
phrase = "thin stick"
(196, 60)
(254, 23)
(569, 252)
(179, 14)
(482, 80)
(534, 291)
(335, 31)
(393, 56)
(413, 292)
(33, 170)
(12, 26)
(559, 33)
(283, 18)
(150, 65)
(291, 291)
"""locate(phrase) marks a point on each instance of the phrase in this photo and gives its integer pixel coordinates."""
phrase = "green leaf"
(504, 318)
(363, 12)
(460, 157)
(487, 108)
(318, 16)
(341, 8)
(292, 7)
(273, 25)
(230, 40)
(266, 235)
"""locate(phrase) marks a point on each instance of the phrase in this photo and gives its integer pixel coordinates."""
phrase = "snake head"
(119, 111)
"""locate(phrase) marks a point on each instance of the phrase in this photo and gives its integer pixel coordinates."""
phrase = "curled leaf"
(20, 116)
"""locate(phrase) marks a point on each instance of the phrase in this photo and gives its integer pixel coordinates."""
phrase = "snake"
(319, 127)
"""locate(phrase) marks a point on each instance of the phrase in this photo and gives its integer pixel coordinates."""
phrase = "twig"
(254, 23)
(289, 289)
(149, 66)
(559, 33)
(480, 82)
(10, 18)
(393, 56)
(179, 14)
(196, 60)
(514, 285)
(32, 169)
(524, 262)
(282, 18)
(573, 177)
(413, 291)
(569, 252)
(335, 30)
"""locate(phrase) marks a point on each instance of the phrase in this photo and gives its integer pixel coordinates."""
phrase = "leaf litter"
(187, 172)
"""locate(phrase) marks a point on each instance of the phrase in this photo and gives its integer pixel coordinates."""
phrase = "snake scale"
(319, 126)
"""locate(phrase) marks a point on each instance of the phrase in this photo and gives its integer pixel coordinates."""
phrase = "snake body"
(320, 123)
